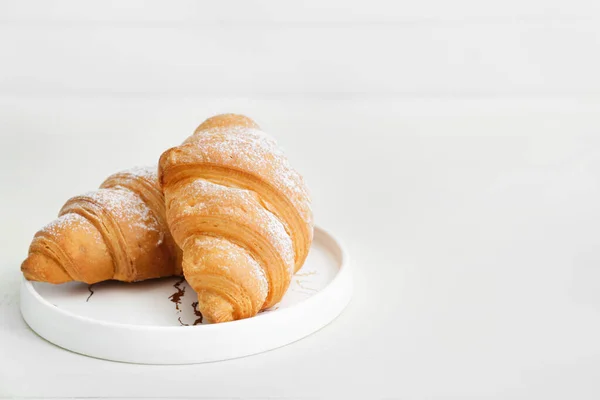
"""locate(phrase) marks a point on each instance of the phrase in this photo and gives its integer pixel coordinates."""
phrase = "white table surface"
(473, 225)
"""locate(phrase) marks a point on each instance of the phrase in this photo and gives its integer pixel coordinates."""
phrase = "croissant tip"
(227, 120)
(214, 308)
(38, 267)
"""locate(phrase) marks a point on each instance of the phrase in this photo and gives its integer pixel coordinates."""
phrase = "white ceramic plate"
(143, 323)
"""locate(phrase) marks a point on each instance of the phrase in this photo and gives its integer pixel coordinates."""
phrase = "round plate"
(153, 322)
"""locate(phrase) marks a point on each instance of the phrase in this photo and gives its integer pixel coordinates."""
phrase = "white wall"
(408, 48)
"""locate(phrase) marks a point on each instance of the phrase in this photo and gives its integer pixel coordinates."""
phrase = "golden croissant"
(117, 232)
(239, 212)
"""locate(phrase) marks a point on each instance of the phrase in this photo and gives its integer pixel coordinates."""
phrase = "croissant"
(117, 232)
(239, 212)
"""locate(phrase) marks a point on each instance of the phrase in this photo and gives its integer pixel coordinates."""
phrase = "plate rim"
(327, 304)
(318, 231)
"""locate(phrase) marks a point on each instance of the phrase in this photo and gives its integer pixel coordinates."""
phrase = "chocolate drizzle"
(91, 293)
(198, 313)
(176, 297)
(268, 310)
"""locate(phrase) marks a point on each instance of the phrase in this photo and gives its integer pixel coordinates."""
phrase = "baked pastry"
(239, 212)
(117, 232)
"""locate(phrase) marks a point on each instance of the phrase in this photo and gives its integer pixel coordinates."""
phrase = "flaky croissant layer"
(116, 232)
(240, 213)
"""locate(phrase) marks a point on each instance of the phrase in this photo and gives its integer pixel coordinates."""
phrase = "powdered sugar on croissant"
(234, 204)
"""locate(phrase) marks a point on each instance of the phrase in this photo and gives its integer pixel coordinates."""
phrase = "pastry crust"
(116, 232)
(240, 213)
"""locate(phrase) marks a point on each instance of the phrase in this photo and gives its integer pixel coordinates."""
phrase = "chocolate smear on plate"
(198, 314)
(176, 297)
(91, 293)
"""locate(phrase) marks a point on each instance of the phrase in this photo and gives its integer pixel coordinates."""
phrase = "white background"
(453, 145)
